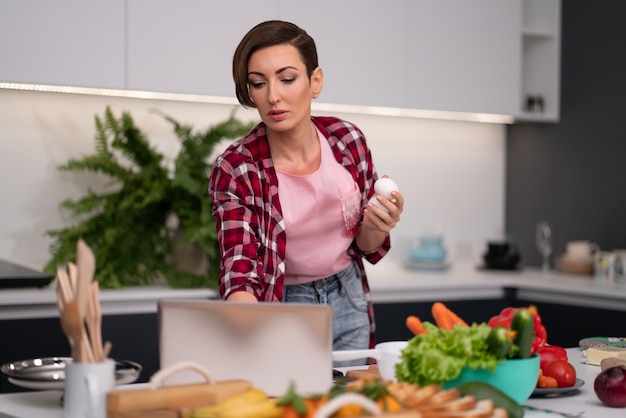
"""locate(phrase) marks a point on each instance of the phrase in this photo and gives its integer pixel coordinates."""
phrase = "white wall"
(451, 173)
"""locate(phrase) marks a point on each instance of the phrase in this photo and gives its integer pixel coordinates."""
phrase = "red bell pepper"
(550, 353)
(506, 316)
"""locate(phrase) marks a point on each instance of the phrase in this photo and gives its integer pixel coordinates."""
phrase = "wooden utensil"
(73, 327)
(86, 265)
(71, 321)
(60, 301)
(73, 276)
(94, 322)
(106, 349)
(64, 285)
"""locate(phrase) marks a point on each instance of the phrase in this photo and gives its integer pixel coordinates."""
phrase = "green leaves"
(440, 355)
(128, 223)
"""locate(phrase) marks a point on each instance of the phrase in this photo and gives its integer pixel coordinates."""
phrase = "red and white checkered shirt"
(244, 189)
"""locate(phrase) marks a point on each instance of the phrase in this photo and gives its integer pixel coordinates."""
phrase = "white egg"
(384, 186)
(375, 202)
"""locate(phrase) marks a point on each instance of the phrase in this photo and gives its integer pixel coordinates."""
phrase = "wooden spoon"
(94, 322)
(106, 350)
(86, 265)
(64, 285)
(73, 273)
(73, 328)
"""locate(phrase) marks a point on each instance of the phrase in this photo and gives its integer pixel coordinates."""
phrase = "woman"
(291, 197)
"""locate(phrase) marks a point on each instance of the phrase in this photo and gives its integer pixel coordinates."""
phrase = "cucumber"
(482, 390)
(499, 341)
(523, 323)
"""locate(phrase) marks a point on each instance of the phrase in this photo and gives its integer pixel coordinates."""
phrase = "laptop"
(270, 344)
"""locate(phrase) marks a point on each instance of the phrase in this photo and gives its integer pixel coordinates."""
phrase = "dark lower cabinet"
(134, 338)
(567, 325)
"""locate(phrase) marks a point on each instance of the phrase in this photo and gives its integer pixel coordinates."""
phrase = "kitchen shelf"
(539, 33)
(541, 46)
(525, 116)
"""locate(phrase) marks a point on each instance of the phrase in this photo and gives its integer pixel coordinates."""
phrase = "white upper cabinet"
(479, 56)
(361, 45)
(186, 46)
(449, 55)
(463, 55)
(65, 42)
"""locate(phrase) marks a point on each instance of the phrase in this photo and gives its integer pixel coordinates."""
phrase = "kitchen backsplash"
(451, 173)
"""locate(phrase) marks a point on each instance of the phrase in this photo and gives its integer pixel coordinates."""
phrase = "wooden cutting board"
(164, 402)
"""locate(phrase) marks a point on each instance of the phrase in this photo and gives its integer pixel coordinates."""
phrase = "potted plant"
(151, 209)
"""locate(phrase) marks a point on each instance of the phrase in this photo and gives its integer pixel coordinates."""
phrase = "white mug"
(581, 250)
(86, 387)
(387, 354)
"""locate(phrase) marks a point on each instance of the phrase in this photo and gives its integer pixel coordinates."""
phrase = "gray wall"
(573, 174)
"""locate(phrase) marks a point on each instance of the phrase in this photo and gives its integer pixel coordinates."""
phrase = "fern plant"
(132, 223)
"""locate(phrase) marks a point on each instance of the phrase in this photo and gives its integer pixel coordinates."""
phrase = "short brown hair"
(270, 33)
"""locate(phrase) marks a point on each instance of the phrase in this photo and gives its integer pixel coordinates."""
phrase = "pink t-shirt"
(321, 212)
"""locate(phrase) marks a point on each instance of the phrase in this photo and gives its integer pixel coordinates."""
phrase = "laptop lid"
(270, 344)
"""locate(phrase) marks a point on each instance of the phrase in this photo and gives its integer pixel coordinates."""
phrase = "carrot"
(388, 403)
(445, 314)
(442, 317)
(414, 324)
(456, 320)
(288, 411)
(547, 382)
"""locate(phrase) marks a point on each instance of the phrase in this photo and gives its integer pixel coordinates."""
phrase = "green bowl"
(515, 377)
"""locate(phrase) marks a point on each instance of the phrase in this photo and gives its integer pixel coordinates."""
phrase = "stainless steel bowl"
(49, 372)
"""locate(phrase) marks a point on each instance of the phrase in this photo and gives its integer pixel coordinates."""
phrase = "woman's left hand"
(376, 218)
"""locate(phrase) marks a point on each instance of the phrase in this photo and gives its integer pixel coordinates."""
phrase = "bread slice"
(420, 396)
(401, 390)
(441, 397)
(482, 409)
(499, 413)
(364, 374)
(464, 403)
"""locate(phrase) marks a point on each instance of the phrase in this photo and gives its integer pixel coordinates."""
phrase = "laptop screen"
(270, 344)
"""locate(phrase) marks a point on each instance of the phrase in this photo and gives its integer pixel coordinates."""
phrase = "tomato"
(550, 353)
(562, 371)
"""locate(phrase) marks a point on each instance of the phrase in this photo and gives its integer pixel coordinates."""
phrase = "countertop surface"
(390, 282)
(48, 403)
(41, 303)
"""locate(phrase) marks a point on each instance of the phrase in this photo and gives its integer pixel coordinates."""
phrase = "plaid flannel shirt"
(243, 186)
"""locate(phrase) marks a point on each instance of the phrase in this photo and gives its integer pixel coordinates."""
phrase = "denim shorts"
(344, 292)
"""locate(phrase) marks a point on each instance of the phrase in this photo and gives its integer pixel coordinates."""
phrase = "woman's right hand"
(241, 296)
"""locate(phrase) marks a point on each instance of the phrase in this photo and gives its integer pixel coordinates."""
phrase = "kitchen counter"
(27, 303)
(48, 403)
(390, 281)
